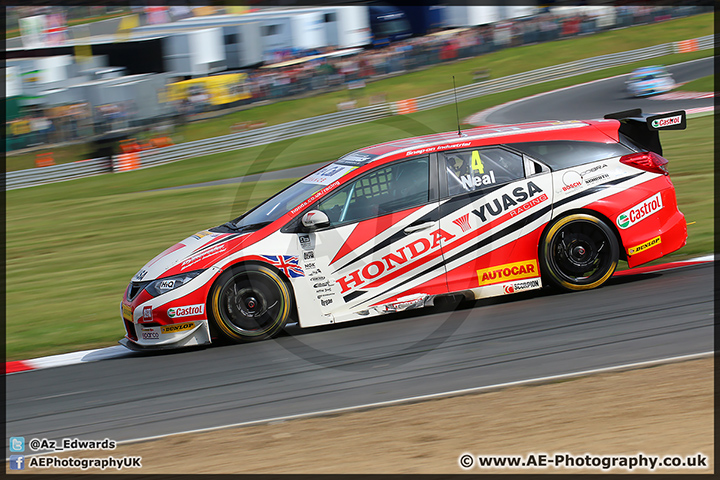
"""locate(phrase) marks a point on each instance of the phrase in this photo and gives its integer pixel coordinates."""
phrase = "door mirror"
(315, 219)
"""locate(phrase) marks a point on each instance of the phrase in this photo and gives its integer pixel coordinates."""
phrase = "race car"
(646, 81)
(490, 211)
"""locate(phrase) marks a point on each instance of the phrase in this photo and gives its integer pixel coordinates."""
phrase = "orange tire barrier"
(44, 159)
(161, 142)
(686, 46)
(406, 106)
(127, 161)
(129, 146)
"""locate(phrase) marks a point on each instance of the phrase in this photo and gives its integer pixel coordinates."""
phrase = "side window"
(471, 170)
(380, 192)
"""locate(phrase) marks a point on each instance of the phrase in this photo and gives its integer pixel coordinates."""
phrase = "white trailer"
(470, 16)
(195, 53)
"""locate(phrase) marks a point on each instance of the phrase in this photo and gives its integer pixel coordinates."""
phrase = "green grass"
(501, 63)
(72, 247)
(705, 84)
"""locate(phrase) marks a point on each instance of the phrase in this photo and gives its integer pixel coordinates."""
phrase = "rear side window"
(563, 154)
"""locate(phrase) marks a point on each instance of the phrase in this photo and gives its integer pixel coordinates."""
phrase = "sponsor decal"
(599, 178)
(289, 264)
(310, 265)
(470, 181)
(314, 197)
(322, 284)
(305, 242)
(187, 311)
(166, 285)
(140, 275)
(571, 180)
(593, 169)
(324, 295)
(202, 234)
(178, 327)
(498, 206)
(644, 246)
(639, 212)
(463, 222)
(308, 256)
(507, 272)
(402, 255)
(355, 159)
(666, 122)
(202, 256)
(328, 174)
(437, 149)
(520, 286)
(147, 314)
(150, 335)
(127, 312)
(317, 279)
(327, 302)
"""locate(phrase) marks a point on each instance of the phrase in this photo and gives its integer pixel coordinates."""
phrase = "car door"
(492, 201)
(383, 244)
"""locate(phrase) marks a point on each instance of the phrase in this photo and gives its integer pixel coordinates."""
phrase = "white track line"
(420, 398)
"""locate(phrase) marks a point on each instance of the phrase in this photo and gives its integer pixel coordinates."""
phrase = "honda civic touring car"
(489, 211)
(646, 81)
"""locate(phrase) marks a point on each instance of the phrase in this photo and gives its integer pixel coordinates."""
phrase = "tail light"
(649, 161)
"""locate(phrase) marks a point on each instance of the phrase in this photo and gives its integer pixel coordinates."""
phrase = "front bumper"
(186, 334)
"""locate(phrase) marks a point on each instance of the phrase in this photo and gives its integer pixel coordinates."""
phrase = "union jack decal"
(463, 222)
(287, 263)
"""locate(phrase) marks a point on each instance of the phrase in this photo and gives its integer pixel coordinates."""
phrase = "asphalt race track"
(594, 100)
(631, 319)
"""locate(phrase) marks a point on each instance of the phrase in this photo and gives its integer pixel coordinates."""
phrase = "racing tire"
(250, 304)
(579, 252)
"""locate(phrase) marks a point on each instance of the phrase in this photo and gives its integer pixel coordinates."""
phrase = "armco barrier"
(57, 173)
(309, 126)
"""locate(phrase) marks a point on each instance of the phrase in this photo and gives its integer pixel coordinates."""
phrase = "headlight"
(164, 285)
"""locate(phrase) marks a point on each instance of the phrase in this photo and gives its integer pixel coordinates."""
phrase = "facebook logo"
(17, 444)
(17, 462)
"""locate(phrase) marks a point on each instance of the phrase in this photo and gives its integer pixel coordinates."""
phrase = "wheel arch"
(239, 266)
(587, 211)
(243, 263)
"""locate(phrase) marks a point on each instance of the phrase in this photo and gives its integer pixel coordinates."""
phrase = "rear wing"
(642, 129)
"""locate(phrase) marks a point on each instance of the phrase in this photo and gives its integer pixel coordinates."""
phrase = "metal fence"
(308, 126)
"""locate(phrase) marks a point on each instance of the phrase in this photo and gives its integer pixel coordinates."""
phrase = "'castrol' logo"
(189, 311)
(640, 211)
(666, 122)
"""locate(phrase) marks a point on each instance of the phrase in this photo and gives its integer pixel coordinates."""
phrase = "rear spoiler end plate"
(643, 128)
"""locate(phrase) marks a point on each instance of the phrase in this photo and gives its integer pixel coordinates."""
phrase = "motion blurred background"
(120, 79)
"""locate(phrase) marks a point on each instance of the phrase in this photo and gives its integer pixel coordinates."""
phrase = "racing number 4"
(476, 162)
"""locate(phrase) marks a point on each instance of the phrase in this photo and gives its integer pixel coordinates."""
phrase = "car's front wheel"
(250, 303)
(579, 252)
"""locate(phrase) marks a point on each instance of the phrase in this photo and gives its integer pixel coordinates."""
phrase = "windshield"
(288, 199)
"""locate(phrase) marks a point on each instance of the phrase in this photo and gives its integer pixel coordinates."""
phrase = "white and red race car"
(492, 211)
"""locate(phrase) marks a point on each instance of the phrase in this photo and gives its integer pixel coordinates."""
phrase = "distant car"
(649, 81)
(492, 211)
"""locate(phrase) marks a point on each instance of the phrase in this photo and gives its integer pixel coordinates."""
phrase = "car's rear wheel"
(579, 252)
(250, 303)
